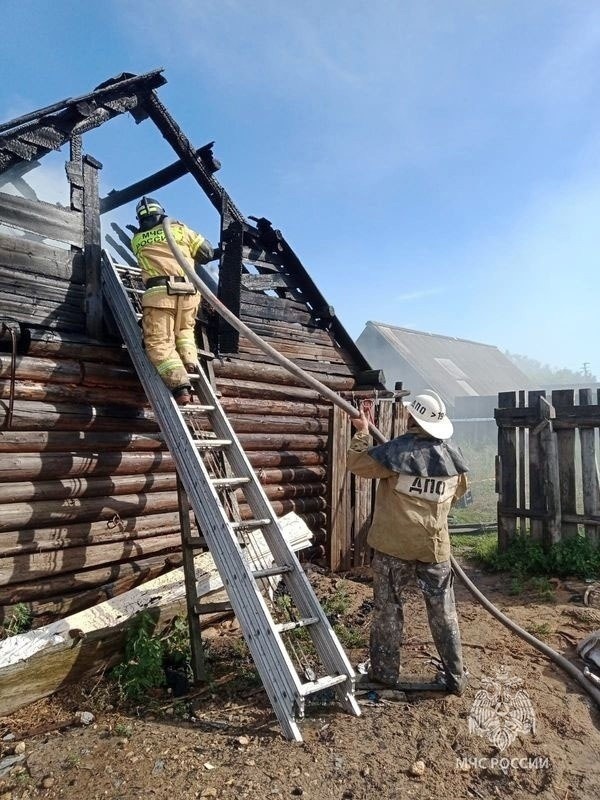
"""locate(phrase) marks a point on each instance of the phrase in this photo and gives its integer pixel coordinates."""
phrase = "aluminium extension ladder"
(270, 642)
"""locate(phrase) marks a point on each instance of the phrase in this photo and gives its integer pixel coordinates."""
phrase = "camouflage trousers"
(391, 576)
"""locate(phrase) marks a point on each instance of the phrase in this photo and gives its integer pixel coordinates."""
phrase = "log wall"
(42, 279)
(88, 501)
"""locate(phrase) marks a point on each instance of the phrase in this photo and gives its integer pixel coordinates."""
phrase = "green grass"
(526, 559)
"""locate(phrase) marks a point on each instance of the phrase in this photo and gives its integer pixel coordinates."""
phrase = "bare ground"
(225, 743)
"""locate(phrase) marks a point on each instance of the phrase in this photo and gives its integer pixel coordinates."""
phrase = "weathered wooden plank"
(589, 471)
(91, 253)
(338, 501)
(260, 283)
(45, 219)
(20, 254)
(550, 476)
(521, 456)
(572, 416)
(273, 374)
(537, 501)
(29, 285)
(362, 495)
(564, 398)
(508, 474)
(43, 314)
(314, 367)
(293, 350)
(252, 311)
(249, 405)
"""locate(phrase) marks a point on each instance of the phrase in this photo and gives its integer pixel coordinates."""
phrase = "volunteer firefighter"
(170, 301)
(421, 474)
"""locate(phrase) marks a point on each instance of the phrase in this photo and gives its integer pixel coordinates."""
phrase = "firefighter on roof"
(170, 302)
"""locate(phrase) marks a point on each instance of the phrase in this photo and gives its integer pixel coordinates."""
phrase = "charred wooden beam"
(31, 136)
(163, 177)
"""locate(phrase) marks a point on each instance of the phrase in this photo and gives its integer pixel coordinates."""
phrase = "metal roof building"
(452, 367)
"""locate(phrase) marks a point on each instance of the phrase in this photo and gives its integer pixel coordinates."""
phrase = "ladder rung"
(194, 542)
(195, 407)
(250, 524)
(212, 608)
(128, 268)
(283, 627)
(322, 683)
(269, 571)
(227, 482)
(208, 444)
(134, 291)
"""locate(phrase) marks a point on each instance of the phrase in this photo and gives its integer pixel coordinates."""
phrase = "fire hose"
(334, 398)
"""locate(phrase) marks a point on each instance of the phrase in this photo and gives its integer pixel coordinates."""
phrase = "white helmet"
(429, 411)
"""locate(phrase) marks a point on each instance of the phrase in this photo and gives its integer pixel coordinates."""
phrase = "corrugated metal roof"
(453, 367)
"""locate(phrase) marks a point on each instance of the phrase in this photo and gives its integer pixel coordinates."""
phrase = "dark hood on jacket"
(417, 455)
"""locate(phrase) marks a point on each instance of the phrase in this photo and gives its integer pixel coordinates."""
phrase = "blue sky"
(435, 165)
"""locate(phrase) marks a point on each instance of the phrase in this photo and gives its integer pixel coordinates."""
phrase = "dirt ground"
(225, 743)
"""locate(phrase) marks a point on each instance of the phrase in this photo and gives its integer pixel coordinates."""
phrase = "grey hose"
(334, 398)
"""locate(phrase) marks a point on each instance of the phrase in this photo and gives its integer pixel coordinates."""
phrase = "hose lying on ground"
(334, 398)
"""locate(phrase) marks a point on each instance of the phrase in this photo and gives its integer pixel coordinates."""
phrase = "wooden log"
(338, 501)
(248, 423)
(242, 370)
(316, 367)
(34, 664)
(508, 474)
(87, 373)
(291, 475)
(255, 389)
(31, 466)
(85, 441)
(248, 405)
(128, 575)
(37, 258)
(287, 441)
(33, 566)
(288, 490)
(60, 392)
(251, 310)
(286, 458)
(564, 398)
(49, 512)
(26, 491)
(269, 302)
(87, 533)
(37, 594)
(45, 219)
(31, 415)
(589, 472)
(60, 344)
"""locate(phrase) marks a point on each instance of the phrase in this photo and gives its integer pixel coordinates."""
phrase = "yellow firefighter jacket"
(410, 519)
(154, 254)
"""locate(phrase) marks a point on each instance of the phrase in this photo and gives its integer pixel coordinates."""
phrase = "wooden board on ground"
(38, 663)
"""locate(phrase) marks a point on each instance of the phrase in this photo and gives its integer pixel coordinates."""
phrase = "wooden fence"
(350, 500)
(547, 469)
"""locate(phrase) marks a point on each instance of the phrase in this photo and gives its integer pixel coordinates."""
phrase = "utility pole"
(585, 370)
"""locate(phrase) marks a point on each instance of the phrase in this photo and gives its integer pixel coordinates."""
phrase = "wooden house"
(88, 500)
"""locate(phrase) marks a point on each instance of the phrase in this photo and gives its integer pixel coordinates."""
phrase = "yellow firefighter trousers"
(168, 325)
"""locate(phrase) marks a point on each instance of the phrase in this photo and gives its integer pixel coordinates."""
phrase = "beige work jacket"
(410, 520)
